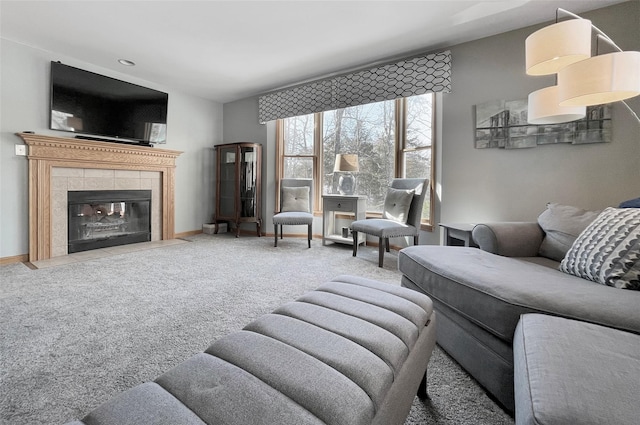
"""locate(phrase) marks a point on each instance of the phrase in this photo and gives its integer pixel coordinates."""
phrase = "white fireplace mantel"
(48, 152)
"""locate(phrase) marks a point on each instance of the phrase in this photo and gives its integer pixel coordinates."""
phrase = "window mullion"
(432, 162)
(317, 160)
(279, 160)
(298, 156)
(419, 148)
(400, 137)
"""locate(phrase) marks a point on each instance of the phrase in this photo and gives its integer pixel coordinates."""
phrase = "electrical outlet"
(21, 150)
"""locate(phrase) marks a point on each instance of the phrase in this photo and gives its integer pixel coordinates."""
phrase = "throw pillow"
(631, 203)
(397, 204)
(562, 224)
(295, 199)
(608, 251)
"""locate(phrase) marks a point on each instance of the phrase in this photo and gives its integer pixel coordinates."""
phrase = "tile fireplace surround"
(58, 164)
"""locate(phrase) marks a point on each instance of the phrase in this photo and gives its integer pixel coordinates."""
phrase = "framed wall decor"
(503, 124)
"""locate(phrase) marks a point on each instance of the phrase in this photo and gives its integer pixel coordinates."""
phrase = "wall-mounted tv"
(95, 105)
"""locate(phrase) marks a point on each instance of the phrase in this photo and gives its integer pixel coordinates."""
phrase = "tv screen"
(92, 104)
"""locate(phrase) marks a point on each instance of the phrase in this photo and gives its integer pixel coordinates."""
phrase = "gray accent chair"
(386, 228)
(294, 218)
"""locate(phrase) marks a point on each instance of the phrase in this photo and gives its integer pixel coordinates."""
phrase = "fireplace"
(104, 218)
(58, 165)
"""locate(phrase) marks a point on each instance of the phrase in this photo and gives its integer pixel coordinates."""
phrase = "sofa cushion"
(382, 343)
(562, 224)
(493, 291)
(293, 218)
(217, 391)
(383, 228)
(571, 372)
(342, 354)
(295, 199)
(608, 251)
(147, 403)
(308, 381)
(397, 204)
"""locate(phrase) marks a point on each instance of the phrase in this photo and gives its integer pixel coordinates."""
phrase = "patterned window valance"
(408, 77)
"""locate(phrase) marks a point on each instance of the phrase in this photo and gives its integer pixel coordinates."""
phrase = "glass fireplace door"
(104, 218)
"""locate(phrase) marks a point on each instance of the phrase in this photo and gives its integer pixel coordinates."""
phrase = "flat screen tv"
(95, 105)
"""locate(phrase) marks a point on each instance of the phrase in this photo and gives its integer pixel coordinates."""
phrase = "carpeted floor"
(74, 336)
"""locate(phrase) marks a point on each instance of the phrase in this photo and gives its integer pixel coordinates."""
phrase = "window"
(369, 131)
(417, 147)
(391, 138)
(299, 152)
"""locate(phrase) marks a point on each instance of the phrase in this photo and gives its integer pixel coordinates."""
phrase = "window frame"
(402, 149)
(399, 161)
(316, 160)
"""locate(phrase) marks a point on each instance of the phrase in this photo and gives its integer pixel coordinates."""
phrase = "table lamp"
(346, 163)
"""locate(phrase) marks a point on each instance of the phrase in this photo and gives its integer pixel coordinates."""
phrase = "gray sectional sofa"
(481, 294)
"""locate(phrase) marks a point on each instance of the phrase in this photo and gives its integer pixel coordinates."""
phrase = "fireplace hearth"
(105, 218)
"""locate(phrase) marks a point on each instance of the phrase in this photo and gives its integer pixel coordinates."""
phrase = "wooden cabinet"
(238, 185)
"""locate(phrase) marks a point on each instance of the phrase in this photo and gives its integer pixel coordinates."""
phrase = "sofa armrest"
(510, 239)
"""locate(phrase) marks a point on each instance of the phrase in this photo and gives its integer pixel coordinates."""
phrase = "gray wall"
(241, 125)
(194, 126)
(499, 184)
(496, 184)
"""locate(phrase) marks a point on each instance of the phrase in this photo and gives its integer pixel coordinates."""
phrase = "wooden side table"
(458, 234)
(352, 205)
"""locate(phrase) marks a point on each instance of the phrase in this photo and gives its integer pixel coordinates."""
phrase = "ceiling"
(229, 50)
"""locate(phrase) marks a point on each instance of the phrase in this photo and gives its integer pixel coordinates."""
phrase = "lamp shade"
(554, 47)
(600, 79)
(544, 108)
(346, 162)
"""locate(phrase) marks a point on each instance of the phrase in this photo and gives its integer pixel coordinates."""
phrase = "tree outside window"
(298, 155)
(370, 132)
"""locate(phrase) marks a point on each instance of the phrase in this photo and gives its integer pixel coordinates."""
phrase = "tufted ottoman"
(352, 352)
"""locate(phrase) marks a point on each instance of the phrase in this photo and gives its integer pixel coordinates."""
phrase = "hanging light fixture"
(564, 48)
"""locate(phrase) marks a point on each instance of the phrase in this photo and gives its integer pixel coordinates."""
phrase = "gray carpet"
(74, 336)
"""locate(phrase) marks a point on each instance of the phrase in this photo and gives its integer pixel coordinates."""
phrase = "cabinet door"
(227, 195)
(248, 177)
